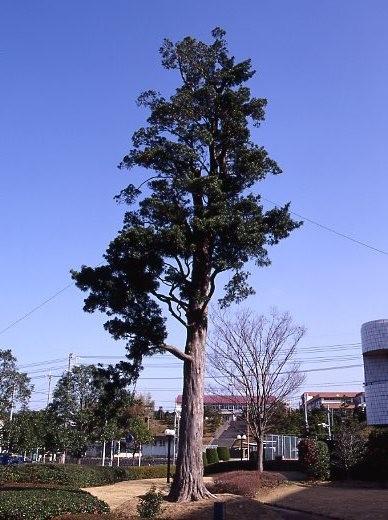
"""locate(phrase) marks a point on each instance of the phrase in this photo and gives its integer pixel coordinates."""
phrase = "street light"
(241, 438)
(170, 434)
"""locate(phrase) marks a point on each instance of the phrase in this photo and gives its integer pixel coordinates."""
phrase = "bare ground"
(344, 502)
(123, 498)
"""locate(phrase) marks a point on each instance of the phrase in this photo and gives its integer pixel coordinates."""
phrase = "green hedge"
(223, 453)
(204, 459)
(230, 465)
(43, 504)
(77, 476)
(212, 455)
(136, 472)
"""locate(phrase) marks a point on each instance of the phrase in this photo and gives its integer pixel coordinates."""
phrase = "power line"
(275, 204)
(331, 230)
(40, 363)
(28, 314)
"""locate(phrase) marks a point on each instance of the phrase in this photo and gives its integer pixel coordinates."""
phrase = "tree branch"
(174, 351)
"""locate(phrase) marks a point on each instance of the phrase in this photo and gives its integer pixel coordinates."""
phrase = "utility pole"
(306, 420)
(328, 422)
(247, 431)
(69, 362)
(12, 403)
(49, 388)
(68, 397)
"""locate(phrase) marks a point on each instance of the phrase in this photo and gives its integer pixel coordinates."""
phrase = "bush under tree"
(150, 505)
(314, 458)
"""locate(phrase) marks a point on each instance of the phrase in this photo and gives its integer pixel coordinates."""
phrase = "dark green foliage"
(15, 386)
(150, 505)
(212, 455)
(77, 476)
(314, 458)
(204, 459)
(282, 465)
(136, 473)
(43, 504)
(286, 421)
(251, 465)
(374, 465)
(223, 453)
(197, 213)
(230, 465)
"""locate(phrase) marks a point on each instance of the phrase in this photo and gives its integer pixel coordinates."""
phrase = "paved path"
(288, 514)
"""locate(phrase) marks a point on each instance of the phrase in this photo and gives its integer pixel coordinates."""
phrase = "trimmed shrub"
(204, 459)
(314, 458)
(150, 505)
(212, 455)
(230, 465)
(77, 476)
(246, 483)
(43, 504)
(223, 453)
(282, 465)
(141, 472)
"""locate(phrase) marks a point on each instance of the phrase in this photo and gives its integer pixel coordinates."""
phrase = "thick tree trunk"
(188, 480)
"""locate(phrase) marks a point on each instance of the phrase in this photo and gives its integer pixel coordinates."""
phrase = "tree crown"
(197, 215)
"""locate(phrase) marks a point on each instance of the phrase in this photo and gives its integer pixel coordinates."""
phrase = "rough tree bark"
(188, 480)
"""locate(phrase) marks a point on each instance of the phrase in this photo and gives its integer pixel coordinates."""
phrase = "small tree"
(141, 434)
(349, 446)
(74, 404)
(15, 386)
(252, 356)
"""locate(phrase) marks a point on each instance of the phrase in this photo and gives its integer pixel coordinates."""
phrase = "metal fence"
(285, 446)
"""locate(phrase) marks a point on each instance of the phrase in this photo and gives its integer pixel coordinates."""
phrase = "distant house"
(332, 400)
(157, 448)
(227, 405)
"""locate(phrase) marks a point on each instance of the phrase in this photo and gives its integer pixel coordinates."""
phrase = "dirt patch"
(116, 494)
(237, 508)
(331, 500)
(123, 499)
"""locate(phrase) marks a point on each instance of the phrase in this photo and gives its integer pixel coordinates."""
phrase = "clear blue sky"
(70, 73)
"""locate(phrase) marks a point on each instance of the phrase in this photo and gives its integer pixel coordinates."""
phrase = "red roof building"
(332, 400)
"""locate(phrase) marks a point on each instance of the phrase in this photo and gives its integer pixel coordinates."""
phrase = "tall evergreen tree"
(194, 217)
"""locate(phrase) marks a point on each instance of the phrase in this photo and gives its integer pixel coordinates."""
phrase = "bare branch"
(174, 351)
(247, 356)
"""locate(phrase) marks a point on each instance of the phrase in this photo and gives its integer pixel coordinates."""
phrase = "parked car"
(7, 459)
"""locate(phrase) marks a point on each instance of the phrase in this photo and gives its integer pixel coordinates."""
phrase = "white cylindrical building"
(374, 338)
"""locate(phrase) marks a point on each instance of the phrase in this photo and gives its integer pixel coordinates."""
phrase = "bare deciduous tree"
(253, 356)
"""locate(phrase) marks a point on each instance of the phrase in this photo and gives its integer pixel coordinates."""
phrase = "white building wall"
(374, 338)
